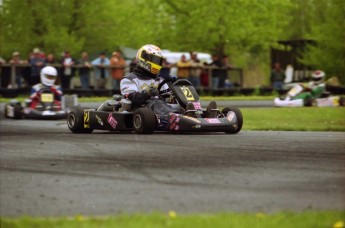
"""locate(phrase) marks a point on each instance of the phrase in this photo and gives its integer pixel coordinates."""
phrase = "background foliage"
(243, 29)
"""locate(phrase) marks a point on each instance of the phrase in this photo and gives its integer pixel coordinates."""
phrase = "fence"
(8, 76)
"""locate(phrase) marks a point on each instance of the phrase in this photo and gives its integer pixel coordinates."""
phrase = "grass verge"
(314, 219)
(294, 119)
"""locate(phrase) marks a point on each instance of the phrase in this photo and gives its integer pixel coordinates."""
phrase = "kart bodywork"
(159, 114)
(326, 100)
(47, 109)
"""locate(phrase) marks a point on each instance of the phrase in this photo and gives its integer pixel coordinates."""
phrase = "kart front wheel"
(239, 118)
(14, 111)
(144, 121)
(75, 120)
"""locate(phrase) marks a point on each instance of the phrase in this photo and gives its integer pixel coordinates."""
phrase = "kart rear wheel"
(75, 120)
(144, 121)
(238, 116)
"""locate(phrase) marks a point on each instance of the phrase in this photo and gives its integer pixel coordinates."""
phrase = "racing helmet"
(318, 76)
(149, 58)
(48, 75)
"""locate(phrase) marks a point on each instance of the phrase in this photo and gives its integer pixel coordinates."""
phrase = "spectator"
(84, 70)
(165, 70)
(118, 64)
(183, 68)
(16, 61)
(217, 73)
(195, 72)
(66, 71)
(50, 60)
(101, 70)
(37, 63)
(277, 77)
(227, 83)
(2, 61)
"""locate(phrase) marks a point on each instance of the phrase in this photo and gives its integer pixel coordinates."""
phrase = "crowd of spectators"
(27, 72)
(198, 72)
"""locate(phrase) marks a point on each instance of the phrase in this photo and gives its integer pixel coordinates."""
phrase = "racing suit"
(311, 91)
(39, 88)
(135, 85)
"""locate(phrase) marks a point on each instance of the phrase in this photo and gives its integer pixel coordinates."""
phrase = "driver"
(48, 77)
(141, 84)
(315, 88)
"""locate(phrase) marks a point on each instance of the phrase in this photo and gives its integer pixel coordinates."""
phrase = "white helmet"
(48, 75)
(318, 76)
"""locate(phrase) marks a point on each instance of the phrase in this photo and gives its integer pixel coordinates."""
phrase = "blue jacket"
(98, 70)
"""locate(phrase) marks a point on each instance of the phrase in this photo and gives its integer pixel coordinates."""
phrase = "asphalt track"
(47, 171)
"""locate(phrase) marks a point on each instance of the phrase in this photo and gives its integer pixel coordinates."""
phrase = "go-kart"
(46, 109)
(326, 99)
(167, 112)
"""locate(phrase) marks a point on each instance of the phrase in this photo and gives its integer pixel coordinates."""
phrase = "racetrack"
(48, 171)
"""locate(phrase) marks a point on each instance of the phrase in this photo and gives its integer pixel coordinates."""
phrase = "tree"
(328, 30)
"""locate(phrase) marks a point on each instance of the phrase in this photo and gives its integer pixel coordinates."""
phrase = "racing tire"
(144, 121)
(17, 111)
(75, 120)
(342, 101)
(239, 117)
(310, 102)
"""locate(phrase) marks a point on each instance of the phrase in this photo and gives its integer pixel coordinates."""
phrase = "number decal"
(86, 119)
(47, 97)
(187, 93)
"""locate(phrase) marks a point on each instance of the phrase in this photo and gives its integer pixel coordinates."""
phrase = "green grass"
(312, 219)
(294, 119)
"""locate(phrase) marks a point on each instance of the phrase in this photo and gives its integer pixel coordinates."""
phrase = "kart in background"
(46, 109)
(164, 113)
(326, 100)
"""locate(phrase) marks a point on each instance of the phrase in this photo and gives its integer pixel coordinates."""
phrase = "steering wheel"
(161, 84)
(165, 81)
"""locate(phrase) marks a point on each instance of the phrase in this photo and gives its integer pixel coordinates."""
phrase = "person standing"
(277, 77)
(36, 63)
(183, 67)
(101, 65)
(17, 62)
(195, 71)
(66, 71)
(118, 64)
(217, 72)
(84, 70)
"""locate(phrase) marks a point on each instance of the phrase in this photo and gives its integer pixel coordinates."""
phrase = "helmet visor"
(152, 58)
(50, 77)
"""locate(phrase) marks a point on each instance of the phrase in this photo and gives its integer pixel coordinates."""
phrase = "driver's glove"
(152, 91)
(173, 78)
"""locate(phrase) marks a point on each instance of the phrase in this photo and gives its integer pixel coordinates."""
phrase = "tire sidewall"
(239, 118)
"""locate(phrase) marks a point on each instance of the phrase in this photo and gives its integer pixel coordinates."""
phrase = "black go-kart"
(169, 112)
(46, 109)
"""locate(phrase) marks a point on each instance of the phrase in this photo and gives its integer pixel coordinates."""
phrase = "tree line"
(242, 29)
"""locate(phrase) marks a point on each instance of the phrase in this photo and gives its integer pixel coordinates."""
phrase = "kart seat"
(184, 92)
